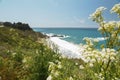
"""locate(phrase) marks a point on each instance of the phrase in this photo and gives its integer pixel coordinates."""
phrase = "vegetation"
(98, 64)
(23, 58)
(19, 25)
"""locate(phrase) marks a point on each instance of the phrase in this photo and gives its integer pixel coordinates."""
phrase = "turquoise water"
(76, 35)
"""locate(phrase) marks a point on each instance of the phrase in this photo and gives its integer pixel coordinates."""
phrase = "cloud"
(78, 20)
(82, 21)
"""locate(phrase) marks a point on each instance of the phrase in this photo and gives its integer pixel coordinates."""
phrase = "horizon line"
(67, 27)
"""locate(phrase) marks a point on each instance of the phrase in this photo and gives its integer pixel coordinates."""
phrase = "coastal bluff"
(23, 27)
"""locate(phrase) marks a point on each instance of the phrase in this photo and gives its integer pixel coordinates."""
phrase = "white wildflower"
(59, 66)
(37, 52)
(56, 74)
(85, 46)
(100, 74)
(51, 66)
(96, 16)
(117, 78)
(14, 54)
(88, 58)
(96, 40)
(116, 8)
(99, 59)
(12, 29)
(91, 65)
(49, 77)
(96, 55)
(113, 35)
(101, 8)
(76, 63)
(105, 60)
(90, 48)
(86, 39)
(24, 60)
(118, 24)
(95, 74)
(112, 58)
(93, 60)
(81, 67)
(70, 78)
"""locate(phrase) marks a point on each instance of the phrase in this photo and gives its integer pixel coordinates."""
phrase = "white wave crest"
(57, 35)
(98, 38)
(101, 38)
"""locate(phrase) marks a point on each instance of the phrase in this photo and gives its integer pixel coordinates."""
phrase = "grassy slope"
(21, 57)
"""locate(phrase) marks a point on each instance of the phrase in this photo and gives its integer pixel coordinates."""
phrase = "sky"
(54, 13)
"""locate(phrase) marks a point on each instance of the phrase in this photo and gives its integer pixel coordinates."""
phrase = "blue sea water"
(76, 35)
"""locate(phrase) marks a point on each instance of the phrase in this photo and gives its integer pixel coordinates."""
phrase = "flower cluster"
(53, 68)
(118, 24)
(90, 39)
(99, 76)
(110, 29)
(103, 62)
(96, 64)
(96, 16)
(93, 56)
(110, 26)
(116, 9)
(100, 60)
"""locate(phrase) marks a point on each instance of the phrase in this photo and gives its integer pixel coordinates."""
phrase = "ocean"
(68, 40)
(74, 35)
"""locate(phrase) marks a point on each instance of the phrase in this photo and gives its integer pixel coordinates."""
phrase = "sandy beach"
(67, 49)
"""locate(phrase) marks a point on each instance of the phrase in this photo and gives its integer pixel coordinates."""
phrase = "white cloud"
(78, 20)
(82, 21)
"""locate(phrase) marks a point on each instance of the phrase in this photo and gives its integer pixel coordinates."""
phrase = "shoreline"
(65, 48)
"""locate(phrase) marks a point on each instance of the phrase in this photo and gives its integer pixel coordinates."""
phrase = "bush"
(98, 64)
(22, 57)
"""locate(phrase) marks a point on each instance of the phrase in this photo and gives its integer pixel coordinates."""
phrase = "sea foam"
(67, 49)
(101, 38)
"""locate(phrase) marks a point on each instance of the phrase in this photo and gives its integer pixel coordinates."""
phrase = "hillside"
(21, 56)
